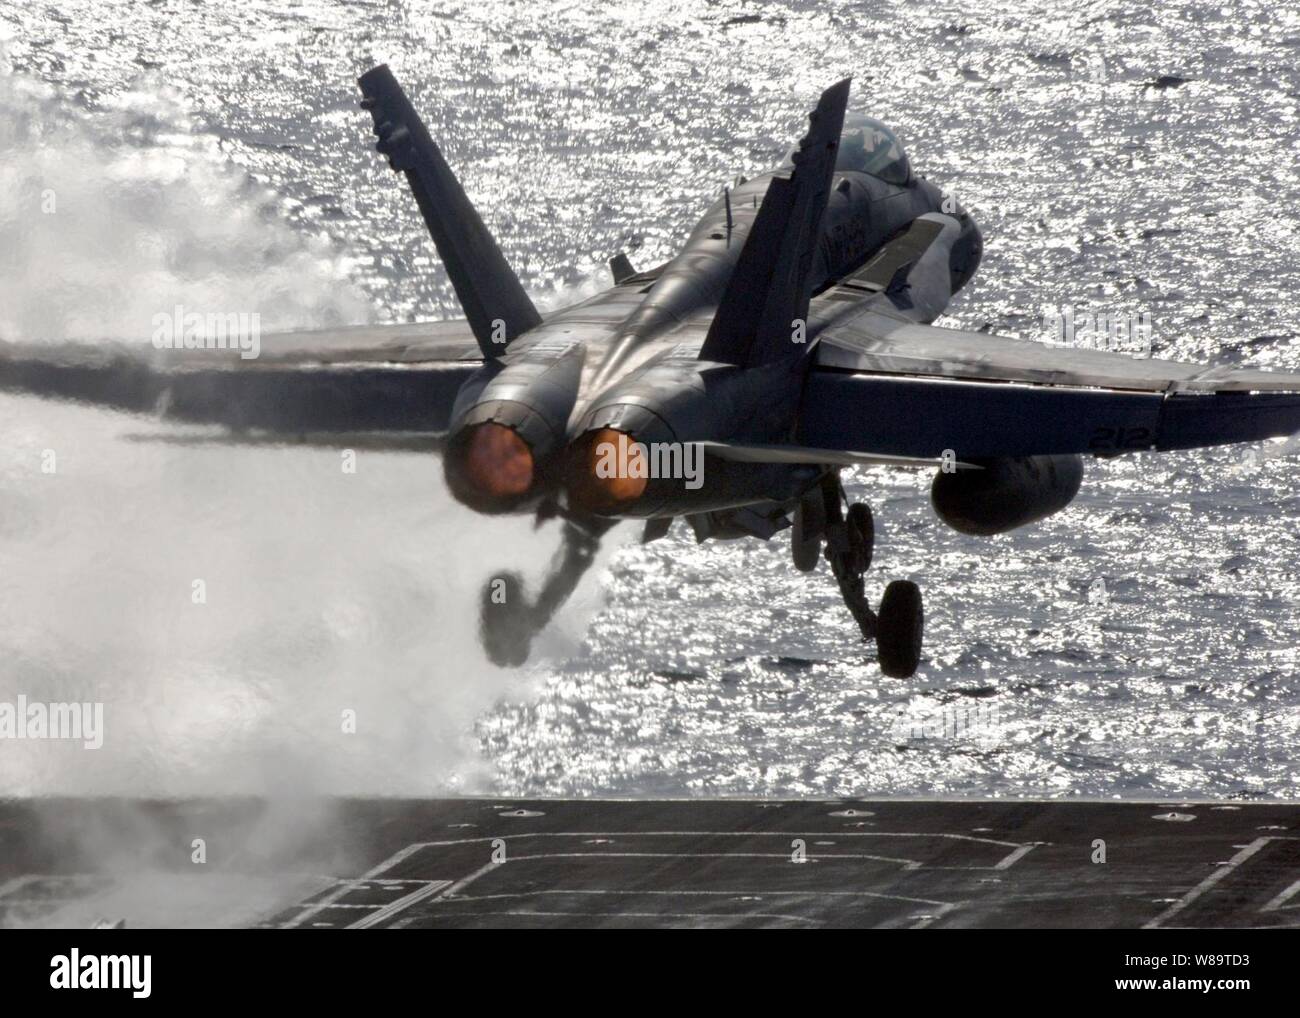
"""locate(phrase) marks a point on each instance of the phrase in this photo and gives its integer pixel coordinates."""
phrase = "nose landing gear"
(850, 540)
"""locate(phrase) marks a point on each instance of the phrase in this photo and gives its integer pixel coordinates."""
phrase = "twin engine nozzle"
(508, 449)
(515, 443)
(509, 446)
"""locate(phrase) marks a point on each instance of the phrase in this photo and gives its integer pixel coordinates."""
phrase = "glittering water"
(1142, 643)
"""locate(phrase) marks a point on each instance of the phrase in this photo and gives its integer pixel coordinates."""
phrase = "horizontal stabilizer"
(495, 303)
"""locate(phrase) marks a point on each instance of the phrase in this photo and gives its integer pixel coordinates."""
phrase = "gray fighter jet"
(789, 339)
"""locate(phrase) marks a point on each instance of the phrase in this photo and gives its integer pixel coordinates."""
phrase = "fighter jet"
(789, 339)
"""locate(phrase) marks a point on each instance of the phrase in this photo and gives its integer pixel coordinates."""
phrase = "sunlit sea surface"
(1140, 644)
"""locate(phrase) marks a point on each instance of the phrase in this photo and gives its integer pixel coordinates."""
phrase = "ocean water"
(1141, 644)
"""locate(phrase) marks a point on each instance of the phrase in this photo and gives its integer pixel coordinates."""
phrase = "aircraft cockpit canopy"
(868, 146)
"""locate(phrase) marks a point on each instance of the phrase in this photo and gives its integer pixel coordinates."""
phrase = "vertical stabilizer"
(770, 288)
(495, 303)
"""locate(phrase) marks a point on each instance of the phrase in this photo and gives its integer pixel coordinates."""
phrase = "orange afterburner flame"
(611, 470)
(497, 461)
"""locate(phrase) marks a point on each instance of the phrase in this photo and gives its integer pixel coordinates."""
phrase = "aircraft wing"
(395, 377)
(894, 386)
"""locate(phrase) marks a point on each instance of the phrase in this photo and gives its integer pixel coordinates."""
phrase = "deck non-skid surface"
(704, 863)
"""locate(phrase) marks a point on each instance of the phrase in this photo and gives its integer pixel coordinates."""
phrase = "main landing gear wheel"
(850, 541)
(899, 626)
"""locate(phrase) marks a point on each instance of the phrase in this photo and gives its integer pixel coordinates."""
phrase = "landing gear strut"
(850, 541)
(509, 618)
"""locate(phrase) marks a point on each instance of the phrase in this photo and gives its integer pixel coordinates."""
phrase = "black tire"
(899, 629)
(806, 534)
(862, 536)
(505, 625)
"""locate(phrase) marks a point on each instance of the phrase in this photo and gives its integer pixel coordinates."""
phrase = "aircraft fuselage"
(523, 428)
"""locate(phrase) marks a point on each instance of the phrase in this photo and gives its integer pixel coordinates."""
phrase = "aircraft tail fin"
(770, 288)
(495, 303)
